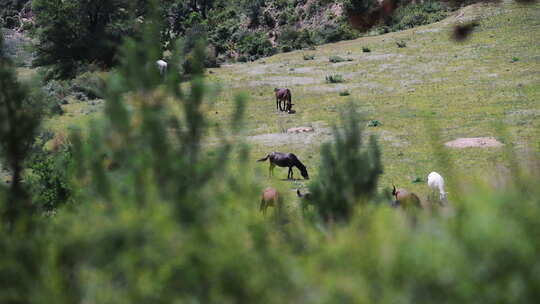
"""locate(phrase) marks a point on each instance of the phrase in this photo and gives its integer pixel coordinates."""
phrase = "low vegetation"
(335, 78)
(335, 59)
(156, 198)
(401, 44)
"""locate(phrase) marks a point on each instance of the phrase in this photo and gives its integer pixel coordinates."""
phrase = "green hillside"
(465, 89)
(131, 186)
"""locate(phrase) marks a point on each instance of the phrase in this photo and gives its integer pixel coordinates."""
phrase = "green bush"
(339, 186)
(334, 32)
(366, 49)
(374, 123)
(92, 85)
(344, 93)
(48, 180)
(293, 39)
(335, 59)
(309, 57)
(256, 45)
(355, 7)
(401, 44)
(99, 28)
(335, 78)
(413, 15)
(9, 11)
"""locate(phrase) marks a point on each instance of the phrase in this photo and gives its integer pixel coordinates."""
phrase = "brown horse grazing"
(405, 199)
(270, 197)
(285, 160)
(283, 95)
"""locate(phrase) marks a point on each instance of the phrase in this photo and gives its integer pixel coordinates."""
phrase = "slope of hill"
(465, 89)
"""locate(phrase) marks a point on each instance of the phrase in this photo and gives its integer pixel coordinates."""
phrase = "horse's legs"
(261, 207)
(289, 104)
(271, 169)
(290, 173)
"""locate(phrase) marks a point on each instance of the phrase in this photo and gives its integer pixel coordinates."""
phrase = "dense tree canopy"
(78, 32)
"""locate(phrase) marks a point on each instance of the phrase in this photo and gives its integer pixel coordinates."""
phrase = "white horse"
(436, 182)
(162, 66)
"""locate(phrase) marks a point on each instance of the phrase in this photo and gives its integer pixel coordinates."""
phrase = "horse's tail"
(264, 158)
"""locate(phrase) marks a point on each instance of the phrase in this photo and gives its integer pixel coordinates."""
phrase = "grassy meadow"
(465, 89)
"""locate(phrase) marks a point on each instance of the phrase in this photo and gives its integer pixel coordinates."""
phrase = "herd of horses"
(402, 198)
(271, 197)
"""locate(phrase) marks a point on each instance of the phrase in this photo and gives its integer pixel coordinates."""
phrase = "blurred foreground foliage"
(155, 218)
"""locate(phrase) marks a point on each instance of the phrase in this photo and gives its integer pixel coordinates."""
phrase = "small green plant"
(417, 180)
(514, 59)
(344, 93)
(401, 44)
(90, 84)
(366, 49)
(335, 78)
(335, 59)
(309, 57)
(374, 123)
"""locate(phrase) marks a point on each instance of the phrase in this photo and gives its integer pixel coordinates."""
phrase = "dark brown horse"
(285, 160)
(283, 95)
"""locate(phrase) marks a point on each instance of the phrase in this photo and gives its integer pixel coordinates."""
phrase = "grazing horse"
(405, 199)
(436, 182)
(162, 66)
(283, 95)
(285, 160)
(270, 197)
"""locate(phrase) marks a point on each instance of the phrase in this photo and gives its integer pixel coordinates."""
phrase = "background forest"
(156, 201)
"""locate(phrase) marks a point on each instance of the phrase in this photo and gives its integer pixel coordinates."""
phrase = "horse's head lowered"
(303, 171)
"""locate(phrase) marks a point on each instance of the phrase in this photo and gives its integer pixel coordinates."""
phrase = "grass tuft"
(335, 78)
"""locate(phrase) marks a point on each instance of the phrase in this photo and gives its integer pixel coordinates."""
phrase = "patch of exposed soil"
(343, 87)
(309, 136)
(300, 130)
(304, 70)
(260, 69)
(468, 142)
(285, 81)
(394, 140)
(431, 30)
(381, 57)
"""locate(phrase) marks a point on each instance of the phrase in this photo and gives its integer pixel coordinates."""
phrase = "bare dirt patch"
(381, 57)
(260, 69)
(300, 130)
(284, 81)
(292, 138)
(479, 142)
(305, 70)
(393, 139)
